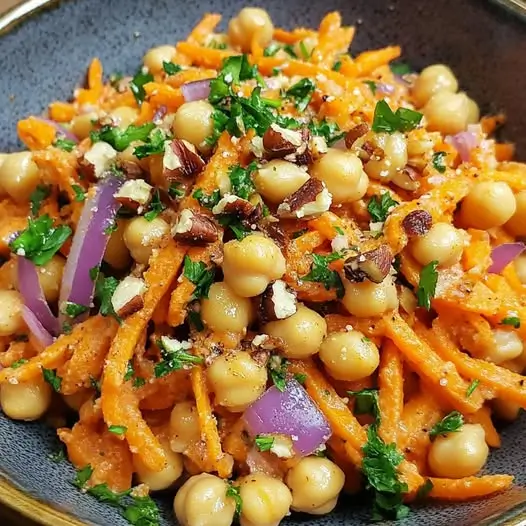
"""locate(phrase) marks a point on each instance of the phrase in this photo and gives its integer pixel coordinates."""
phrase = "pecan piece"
(312, 198)
(281, 142)
(407, 178)
(232, 204)
(134, 194)
(97, 160)
(181, 160)
(195, 228)
(355, 133)
(417, 223)
(373, 265)
(278, 302)
(128, 296)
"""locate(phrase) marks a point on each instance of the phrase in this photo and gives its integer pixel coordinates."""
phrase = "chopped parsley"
(235, 225)
(380, 207)
(424, 490)
(38, 195)
(439, 161)
(121, 139)
(451, 423)
(18, 363)
(80, 195)
(104, 289)
(277, 368)
(57, 456)
(138, 382)
(64, 144)
(304, 51)
(330, 131)
(427, 285)
(372, 85)
(113, 227)
(241, 180)
(137, 85)
(170, 68)
(214, 44)
(302, 93)
(271, 50)
(400, 68)
(142, 512)
(300, 378)
(82, 476)
(51, 377)
(74, 309)
(366, 402)
(337, 65)
(156, 207)
(511, 320)
(233, 492)
(129, 371)
(118, 430)
(195, 320)
(264, 442)
(175, 191)
(154, 144)
(321, 273)
(208, 201)
(472, 386)
(200, 275)
(403, 119)
(174, 357)
(41, 240)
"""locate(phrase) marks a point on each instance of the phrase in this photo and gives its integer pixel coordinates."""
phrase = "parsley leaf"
(138, 382)
(129, 371)
(208, 201)
(233, 492)
(104, 494)
(241, 180)
(170, 68)
(57, 456)
(439, 161)
(264, 442)
(472, 386)
(300, 378)
(302, 92)
(64, 144)
(121, 139)
(174, 357)
(175, 191)
(372, 85)
(277, 367)
(142, 512)
(424, 490)
(234, 224)
(304, 51)
(155, 143)
(337, 65)
(366, 402)
(118, 430)
(427, 285)
(50, 376)
(200, 276)
(74, 309)
(400, 68)
(156, 207)
(511, 320)
(271, 49)
(403, 120)
(451, 423)
(104, 289)
(380, 207)
(80, 195)
(137, 85)
(18, 363)
(38, 195)
(330, 131)
(321, 273)
(234, 70)
(82, 476)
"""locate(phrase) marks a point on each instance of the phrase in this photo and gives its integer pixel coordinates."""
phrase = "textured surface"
(46, 57)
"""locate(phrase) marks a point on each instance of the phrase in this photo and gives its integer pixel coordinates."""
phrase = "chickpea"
(142, 236)
(184, 426)
(342, 172)
(443, 243)
(193, 122)
(224, 310)
(368, 299)
(76, 400)
(459, 454)
(394, 157)
(155, 57)
(11, 320)
(123, 116)
(250, 22)
(516, 225)
(488, 204)
(447, 112)
(520, 268)
(506, 410)
(507, 346)
(81, 125)
(251, 264)
(237, 380)
(117, 254)
(266, 500)
(24, 401)
(279, 179)
(431, 80)
(315, 483)
(159, 480)
(473, 112)
(50, 277)
(202, 501)
(302, 332)
(349, 355)
(19, 176)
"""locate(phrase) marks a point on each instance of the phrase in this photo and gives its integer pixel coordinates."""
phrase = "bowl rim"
(46, 514)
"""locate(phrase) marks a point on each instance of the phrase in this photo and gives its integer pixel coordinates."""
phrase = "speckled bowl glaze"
(44, 57)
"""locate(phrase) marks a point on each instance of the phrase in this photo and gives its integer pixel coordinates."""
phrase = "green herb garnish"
(57, 456)
(439, 161)
(241, 180)
(277, 368)
(174, 357)
(300, 378)
(156, 207)
(403, 120)
(380, 207)
(372, 85)
(137, 85)
(451, 423)
(155, 144)
(208, 201)
(82, 476)
(400, 68)
(74, 309)
(233, 492)
(200, 275)
(511, 320)
(264, 442)
(64, 144)
(50, 376)
(321, 273)
(427, 285)
(117, 430)
(18, 363)
(302, 92)
(104, 289)
(330, 131)
(472, 386)
(170, 68)
(38, 195)
(366, 402)
(80, 195)
(121, 139)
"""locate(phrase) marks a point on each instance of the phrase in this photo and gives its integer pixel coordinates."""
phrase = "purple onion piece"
(39, 332)
(503, 255)
(463, 142)
(384, 88)
(197, 90)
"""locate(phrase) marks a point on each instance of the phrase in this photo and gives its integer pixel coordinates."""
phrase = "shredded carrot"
(459, 490)
(368, 61)
(291, 37)
(204, 28)
(483, 417)
(163, 95)
(35, 133)
(203, 56)
(61, 111)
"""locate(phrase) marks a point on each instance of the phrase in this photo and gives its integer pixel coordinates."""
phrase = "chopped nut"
(355, 133)
(256, 146)
(312, 198)
(417, 223)
(131, 169)
(373, 265)
(97, 160)
(407, 178)
(128, 296)
(370, 152)
(277, 302)
(181, 160)
(275, 232)
(135, 194)
(280, 142)
(195, 228)
(232, 204)
(282, 446)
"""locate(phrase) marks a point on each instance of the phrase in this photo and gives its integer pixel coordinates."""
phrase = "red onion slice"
(384, 88)
(291, 412)
(34, 299)
(36, 328)
(89, 244)
(61, 130)
(503, 255)
(463, 142)
(197, 90)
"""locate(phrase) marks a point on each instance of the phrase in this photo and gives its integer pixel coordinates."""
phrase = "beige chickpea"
(251, 264)
(447, 112)
(193, 122)
(473, 112)
(184, 426)
(123, 116)
(516, 225)
(117, 254)
(11, 320)
(155, 57)
(202, 501)
(24, 401)
(368, 299)
(488, 204)
(315, 483)
(431, 80)
(266, 500)
(394, 158)
(159, 480)
(82, 125)
(520, 268)
(249, 23)
(76, 400)
(349, 355)
(302, 332)
(443, 243)
(343, 174)
(279, 179)
(507, 346)
(224, 310)
(459, 454)
(142, 236)
(50, 277)
(237, 380)
(19, 176)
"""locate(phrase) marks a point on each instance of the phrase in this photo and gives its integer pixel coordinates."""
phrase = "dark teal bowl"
(44, 57)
